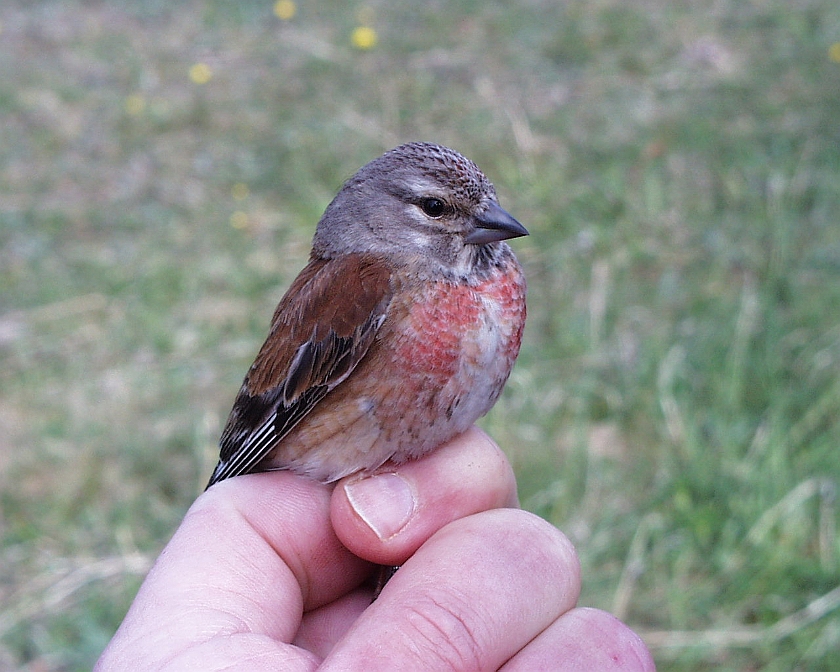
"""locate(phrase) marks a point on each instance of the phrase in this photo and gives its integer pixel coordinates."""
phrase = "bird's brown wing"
(321, 329)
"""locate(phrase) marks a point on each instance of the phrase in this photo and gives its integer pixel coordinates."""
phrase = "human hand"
(266, 572)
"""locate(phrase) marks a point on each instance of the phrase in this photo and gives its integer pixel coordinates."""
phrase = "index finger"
(471, 597)
(250, 555)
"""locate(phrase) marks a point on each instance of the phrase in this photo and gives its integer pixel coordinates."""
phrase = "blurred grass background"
(675, 407)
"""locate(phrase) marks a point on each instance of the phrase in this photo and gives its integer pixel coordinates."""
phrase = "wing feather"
(322, 328)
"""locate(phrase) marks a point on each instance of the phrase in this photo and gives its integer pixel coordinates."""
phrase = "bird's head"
(417, 202)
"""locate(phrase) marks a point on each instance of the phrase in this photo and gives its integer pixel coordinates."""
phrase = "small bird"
(398, 334)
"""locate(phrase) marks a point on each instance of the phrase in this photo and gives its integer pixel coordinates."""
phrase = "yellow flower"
(239, 220)
(200, 73)
(135, 104)
(834, 52)
(240, 191)
(364, 38)
(284, 9)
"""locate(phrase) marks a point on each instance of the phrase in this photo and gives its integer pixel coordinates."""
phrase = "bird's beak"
(492, 225)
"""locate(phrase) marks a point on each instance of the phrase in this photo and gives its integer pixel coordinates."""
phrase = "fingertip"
(385, 503)
(494, 463)
(614, 641)
(386, 516)
(585, 639)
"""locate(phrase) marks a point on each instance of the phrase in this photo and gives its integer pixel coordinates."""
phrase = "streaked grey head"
(419, 199)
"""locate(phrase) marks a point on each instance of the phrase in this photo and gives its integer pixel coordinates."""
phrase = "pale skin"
(265, 573)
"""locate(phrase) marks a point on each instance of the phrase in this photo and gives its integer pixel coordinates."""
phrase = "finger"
(321, 628)
(250, 555)
(471, 597)
(388, 516)
(467, 475)
(583, 640)
(285, 517)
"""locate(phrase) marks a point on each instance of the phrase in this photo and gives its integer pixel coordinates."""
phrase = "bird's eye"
(433, 207)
